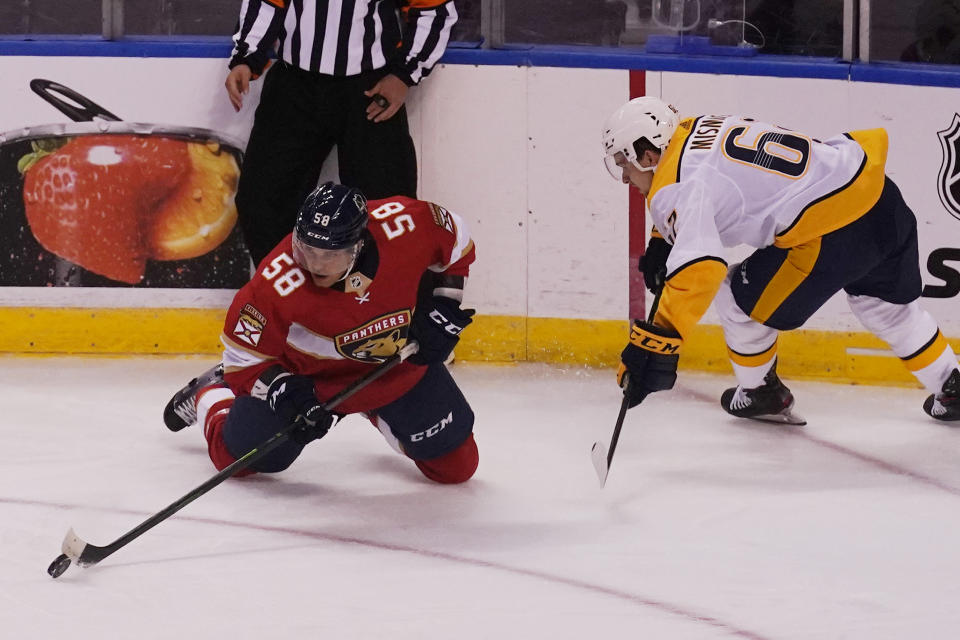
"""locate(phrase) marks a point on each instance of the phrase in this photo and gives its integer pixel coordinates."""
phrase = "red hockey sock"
(213, 431)
(455, 467)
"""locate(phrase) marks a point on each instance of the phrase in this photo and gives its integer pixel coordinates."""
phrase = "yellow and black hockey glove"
(649, 361)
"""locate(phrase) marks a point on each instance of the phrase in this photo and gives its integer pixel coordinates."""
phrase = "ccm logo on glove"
(436, 326)
(649, 361)
(447, 326)
(649, 337)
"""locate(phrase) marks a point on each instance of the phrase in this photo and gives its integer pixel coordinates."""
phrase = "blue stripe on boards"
(521, 55)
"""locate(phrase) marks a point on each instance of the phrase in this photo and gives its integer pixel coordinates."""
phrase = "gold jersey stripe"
(753, 359)
(688, 292)
(928, 354)
(789, 276)
(668, 169)
(848, 203)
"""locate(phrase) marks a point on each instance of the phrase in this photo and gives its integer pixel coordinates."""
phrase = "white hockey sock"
(209, 397)
(913, 336)
(752, 377)
(933, 375)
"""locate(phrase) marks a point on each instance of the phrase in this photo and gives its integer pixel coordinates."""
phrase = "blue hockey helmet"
(333, 216)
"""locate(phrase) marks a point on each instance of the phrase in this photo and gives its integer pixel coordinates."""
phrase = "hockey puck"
(58, 566)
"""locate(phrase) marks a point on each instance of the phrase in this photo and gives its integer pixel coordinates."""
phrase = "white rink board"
(578, 235)
(515, 152)
(471, 126)
(183, 91)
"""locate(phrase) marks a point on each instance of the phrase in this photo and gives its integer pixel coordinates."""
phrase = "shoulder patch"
(442, 217)
(250, 325)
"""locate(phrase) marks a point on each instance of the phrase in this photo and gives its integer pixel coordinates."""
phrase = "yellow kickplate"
(822, 355)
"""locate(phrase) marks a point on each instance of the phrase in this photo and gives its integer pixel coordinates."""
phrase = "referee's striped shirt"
(345, 37)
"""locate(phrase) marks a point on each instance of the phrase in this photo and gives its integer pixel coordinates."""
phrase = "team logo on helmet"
(377, 340)
(948, 180)
(359, 201)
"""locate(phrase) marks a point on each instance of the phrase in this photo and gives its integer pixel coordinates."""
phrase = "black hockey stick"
(601, 456)
(86, 555)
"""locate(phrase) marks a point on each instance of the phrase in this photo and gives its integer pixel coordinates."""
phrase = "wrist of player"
(653, 262)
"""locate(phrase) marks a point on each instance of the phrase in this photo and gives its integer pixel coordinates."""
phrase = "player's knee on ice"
(455, 467)
(433, 424)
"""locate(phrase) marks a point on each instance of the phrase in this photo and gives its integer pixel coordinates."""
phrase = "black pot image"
(102, 202)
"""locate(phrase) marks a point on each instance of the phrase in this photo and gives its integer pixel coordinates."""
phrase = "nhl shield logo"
(948, 180)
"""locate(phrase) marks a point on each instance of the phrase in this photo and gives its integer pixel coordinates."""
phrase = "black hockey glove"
(653, 263)
(649, 362)
(436, 327)
(292, 398)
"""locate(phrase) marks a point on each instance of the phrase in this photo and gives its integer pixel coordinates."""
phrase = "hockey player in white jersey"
(822, 216)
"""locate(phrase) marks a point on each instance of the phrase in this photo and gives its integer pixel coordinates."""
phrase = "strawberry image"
(92, 200)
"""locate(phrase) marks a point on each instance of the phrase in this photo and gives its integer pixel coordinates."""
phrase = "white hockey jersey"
(724, 181)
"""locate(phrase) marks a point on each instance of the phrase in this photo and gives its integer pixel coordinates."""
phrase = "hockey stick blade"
(599, 455)
(83, 553)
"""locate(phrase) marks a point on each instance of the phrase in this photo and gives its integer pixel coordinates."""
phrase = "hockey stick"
(86, 554)
(601, 456)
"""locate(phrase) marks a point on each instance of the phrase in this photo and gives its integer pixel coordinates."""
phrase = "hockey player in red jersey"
(347, 289)
(822, 216)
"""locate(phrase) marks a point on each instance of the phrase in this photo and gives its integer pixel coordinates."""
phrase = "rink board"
(555, 276)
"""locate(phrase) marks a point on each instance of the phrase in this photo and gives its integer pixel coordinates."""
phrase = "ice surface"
(708, 527)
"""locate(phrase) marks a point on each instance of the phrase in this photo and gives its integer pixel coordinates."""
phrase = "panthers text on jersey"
(337, 334)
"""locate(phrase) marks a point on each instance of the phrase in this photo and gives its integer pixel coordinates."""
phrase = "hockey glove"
(653, 263)
(649, 362)
(293, 399)
(436, 327)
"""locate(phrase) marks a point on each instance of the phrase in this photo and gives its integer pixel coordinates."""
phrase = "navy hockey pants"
(875, 255)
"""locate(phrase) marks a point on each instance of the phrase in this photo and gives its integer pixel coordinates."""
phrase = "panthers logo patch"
(377, 340)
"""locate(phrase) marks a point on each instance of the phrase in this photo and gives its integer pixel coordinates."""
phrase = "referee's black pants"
(301, 116)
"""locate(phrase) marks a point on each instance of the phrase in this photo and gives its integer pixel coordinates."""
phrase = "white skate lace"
(740, 400)
(187, 411)
(937, 409)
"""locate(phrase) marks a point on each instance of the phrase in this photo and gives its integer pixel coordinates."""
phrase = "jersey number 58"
(396, 226)
(289, 281)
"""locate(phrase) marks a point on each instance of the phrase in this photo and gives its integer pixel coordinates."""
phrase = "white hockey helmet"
(645, 118)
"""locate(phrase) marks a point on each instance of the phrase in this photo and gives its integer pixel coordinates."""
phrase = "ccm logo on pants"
(434, 430)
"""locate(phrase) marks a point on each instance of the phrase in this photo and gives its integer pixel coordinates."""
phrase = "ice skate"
(946, 404)
(181, 411)
(771, 402)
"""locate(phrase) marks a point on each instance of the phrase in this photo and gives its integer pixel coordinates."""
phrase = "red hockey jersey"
(337, 334)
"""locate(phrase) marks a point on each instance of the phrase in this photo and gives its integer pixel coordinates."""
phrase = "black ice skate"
(946, 404)
(771, 402)
(181, 411)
